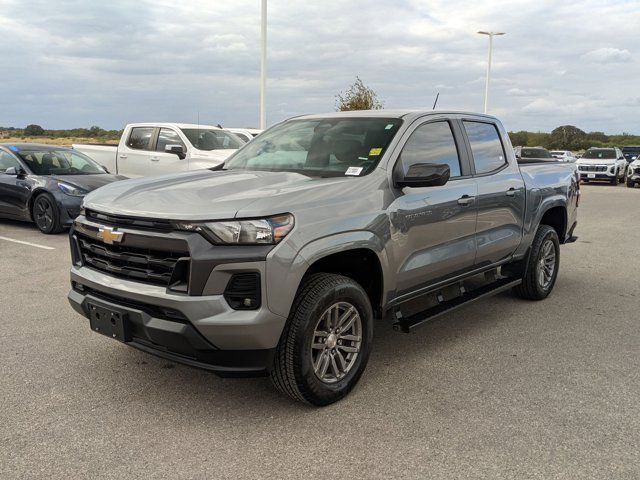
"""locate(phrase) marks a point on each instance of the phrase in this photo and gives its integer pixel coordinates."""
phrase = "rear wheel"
(45, 214)
(542, 265)
(326, 342)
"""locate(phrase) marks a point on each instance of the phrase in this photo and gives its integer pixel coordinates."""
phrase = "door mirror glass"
(424, 175)
(175, 149)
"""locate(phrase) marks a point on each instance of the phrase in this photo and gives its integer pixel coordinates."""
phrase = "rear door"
(501, 192)
(134, 154)
(433, 228)
(163, 162)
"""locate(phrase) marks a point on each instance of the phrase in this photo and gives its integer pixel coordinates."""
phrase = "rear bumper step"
(407, 324)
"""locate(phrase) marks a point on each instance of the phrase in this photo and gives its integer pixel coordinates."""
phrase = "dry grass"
(63, 141)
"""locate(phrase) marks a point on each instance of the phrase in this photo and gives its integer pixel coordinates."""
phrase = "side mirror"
(423, 175)
(176, 150)
(17, 171)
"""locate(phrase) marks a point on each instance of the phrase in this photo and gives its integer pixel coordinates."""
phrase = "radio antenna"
(436, 102)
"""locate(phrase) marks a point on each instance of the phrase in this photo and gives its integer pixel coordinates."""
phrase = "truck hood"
(214, 195)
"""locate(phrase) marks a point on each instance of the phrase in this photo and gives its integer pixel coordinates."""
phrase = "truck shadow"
(170, 386)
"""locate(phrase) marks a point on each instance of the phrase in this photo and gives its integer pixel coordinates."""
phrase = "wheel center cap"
(332, 340)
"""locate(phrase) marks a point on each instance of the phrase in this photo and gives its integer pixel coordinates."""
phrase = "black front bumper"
(171, 337)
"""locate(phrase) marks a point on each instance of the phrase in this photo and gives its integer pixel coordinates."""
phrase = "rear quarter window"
(486, 146)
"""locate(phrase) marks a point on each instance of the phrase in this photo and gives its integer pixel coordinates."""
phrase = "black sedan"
(45, 184)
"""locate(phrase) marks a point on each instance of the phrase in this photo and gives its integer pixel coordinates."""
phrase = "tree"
(519, 139)
(358, 97)
(33, 130)
(568, 137)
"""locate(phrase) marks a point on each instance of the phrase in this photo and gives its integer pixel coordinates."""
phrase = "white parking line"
(44, 247)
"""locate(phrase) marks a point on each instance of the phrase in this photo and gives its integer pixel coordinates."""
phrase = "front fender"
(284, 277)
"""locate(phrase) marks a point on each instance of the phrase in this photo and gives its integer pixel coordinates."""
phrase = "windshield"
(212, 139)
(535, 153)
(319, 147)
(59, 162)
(600, 153)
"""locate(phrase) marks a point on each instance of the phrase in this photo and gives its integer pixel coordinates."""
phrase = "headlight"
(261, 231)
(71, 190)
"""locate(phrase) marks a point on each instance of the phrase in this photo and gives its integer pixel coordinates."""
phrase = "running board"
(408, 324)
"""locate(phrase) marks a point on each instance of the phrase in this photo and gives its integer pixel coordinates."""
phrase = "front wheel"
(630, 183)
(326, 342)
(542, 265)
(45, 214)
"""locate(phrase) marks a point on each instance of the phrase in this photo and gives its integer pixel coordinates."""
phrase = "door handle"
(465, 200)
(155, 159)
(511, 192)
(122, 155)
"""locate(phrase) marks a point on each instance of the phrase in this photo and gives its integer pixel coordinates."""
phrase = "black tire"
(45, 214)
(293, 371)
(614, 180)
(630, 183)
(532, 288)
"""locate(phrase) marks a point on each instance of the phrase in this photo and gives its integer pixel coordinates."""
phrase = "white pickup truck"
(147, 149)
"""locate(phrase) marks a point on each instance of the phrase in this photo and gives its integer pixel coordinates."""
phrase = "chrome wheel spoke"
(336, 340)
(348, 349)
(350, 338)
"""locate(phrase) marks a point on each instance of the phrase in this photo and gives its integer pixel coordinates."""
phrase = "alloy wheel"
(336, 342)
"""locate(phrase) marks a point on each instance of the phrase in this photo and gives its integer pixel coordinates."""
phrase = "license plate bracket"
(109, 322)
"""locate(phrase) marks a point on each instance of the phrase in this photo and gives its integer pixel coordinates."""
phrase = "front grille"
(120, 221)
(132, 263)
(243, 291)
(593, 168)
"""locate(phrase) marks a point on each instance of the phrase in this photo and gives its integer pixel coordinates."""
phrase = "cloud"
(79, 63)
(607, 55)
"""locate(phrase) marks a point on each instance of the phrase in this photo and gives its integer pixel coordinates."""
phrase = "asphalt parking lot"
(502, 389)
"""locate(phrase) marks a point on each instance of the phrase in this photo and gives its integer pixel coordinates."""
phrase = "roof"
(174, 125)
(32, 146)
(392, 114)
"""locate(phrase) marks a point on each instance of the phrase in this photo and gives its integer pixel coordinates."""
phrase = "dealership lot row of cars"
(613, 164)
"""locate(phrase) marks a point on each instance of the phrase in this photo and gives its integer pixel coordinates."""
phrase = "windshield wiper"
(218, 167)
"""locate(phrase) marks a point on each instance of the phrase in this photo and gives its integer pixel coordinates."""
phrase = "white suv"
(563, 155)
(602, 164)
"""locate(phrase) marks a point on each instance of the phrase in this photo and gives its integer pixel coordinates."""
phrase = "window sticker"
(363, 158)
(353, 171)
(389, 127)
(375, 151)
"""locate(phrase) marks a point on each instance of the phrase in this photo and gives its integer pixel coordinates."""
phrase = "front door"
(433, 228)
(14, 189)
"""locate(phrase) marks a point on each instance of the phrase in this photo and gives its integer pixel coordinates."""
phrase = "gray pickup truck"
(279, 262)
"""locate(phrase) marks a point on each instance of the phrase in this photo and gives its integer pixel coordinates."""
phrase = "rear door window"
(7, 161)
(140, 138)
(486, 147)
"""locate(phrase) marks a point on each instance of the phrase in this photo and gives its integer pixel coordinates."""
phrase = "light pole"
(486, 88)
(263, 67)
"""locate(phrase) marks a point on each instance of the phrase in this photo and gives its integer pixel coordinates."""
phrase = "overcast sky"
(111, 62)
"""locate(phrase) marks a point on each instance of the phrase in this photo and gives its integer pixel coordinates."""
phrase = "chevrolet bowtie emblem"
(109, 236)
